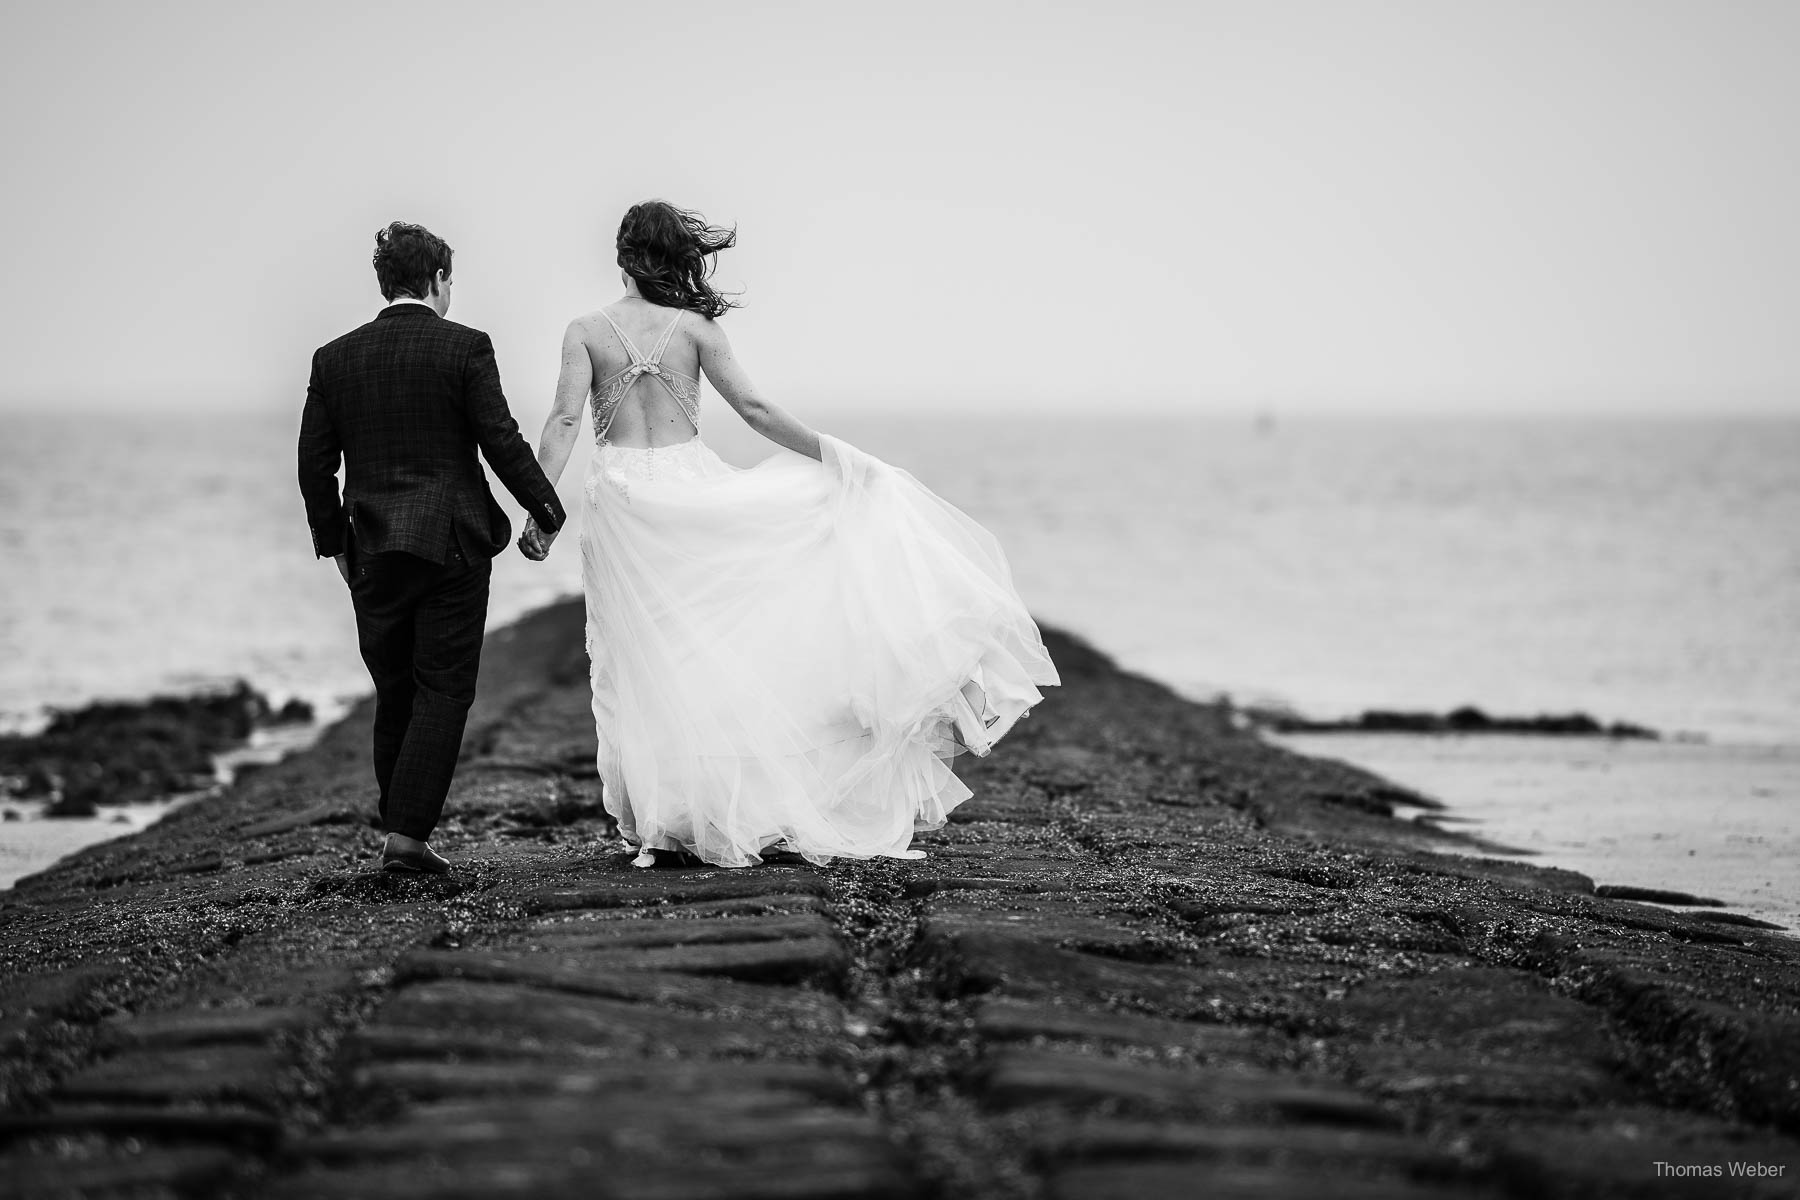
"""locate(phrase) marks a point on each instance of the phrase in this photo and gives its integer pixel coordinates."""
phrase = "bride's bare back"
(646, 371)
(651, 408)
(660, 407)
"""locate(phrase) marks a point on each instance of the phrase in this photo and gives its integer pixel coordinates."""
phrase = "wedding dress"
(787, 655)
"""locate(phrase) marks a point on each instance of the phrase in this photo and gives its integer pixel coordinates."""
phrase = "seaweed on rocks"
(1466, 719)
(125, 752)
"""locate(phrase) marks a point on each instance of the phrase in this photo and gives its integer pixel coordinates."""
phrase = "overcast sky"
(1200, 206)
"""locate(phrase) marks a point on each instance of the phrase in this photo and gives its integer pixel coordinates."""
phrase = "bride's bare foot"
(647, 857)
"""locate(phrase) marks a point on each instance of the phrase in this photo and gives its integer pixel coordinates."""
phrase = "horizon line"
(1255, 412)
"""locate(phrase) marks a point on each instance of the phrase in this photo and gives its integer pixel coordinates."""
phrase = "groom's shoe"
(412, 858)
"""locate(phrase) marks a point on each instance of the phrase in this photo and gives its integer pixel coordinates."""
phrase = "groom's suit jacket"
(404, 402)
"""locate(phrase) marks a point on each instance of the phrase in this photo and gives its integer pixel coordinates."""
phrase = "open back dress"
(787, 655)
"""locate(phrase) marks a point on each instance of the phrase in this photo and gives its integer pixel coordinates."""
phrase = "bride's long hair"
(669, 251)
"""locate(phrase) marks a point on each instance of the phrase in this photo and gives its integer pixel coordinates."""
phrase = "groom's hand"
(343, 566)
(534, 543)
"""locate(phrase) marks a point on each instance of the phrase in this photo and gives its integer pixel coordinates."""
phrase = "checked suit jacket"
(404, 402)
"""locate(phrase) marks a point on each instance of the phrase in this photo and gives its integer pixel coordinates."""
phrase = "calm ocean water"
(1645, 571)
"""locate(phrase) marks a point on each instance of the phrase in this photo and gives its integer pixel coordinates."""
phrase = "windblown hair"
(670, 252)
(408, 258)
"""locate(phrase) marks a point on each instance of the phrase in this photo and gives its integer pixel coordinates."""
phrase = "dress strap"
(662, 343)
(608, 395)
(636, 355)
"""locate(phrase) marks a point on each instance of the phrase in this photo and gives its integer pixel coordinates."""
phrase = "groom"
(403, 402)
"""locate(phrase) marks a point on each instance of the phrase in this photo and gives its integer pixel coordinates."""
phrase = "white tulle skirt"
(790, 655)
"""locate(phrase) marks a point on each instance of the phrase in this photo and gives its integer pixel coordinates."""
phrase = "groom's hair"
(408, 258)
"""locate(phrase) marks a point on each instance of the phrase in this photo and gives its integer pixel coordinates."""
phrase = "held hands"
(534, 543)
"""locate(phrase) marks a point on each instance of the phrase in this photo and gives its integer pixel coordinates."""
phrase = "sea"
(1643, 570)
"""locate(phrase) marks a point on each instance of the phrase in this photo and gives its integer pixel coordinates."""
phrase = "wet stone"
(1756, 1052)
(1192, 1180)
(627, 972)
(1015, 963)
(1734, 919)
(1014, 1020)
(592, 974)
(815, 959)
(1211, 911)
(197, 1073)
(207, 1025)
(1519, 875)
(1613, 891)
(1087, 915)
(574, 1176)
(767, 1084)
(1626, 915)
(146, 1172)
(276, 854)
(330, 812)
(1102, 1139)
(557, 1018)
(743, 906)
(676, 887)
(616, 934)
(634, 1143)
(382, 1042)
(27, 1001)
(188, 1124)
(198, 864)
(1317, 875)
(1028, 810)
(916, 888)
(1021, 1078)
(1482, 1008)
(1440, 1075)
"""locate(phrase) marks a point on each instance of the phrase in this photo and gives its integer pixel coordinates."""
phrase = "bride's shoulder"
(703, 329)
(587, 322)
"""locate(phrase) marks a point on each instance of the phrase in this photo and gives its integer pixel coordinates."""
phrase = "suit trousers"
(419, 626)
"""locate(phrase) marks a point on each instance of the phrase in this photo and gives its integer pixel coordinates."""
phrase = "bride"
(782, 657)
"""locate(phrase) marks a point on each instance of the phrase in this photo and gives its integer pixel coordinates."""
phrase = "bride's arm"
(564, 422)
(572, 385)
(731, 381)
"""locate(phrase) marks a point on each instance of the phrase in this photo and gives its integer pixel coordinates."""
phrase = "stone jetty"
(1155, 957)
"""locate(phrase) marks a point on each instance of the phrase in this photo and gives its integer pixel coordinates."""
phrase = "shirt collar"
(406, 304)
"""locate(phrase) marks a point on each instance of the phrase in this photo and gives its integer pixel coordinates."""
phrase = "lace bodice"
(609, 392)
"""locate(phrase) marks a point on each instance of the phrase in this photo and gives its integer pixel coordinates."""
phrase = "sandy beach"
(1156, 956)
(1713, 820)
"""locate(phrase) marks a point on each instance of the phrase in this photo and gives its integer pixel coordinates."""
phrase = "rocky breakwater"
(1154, 957)
(133, 751)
